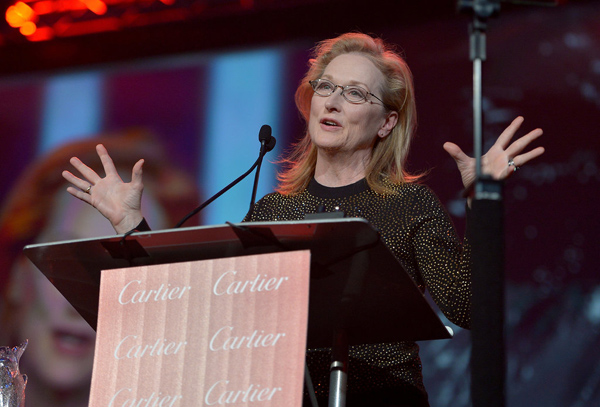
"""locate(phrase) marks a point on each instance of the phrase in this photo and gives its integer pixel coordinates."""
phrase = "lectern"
(359, 292)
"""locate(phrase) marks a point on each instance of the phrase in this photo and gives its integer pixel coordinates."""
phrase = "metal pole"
(488, 366)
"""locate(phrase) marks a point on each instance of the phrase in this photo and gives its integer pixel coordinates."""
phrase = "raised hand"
(118, 201)
(502, 159)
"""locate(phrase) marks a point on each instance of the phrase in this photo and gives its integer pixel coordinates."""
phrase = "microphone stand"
(267, 143)
(488, 362)
(218, 194)
(257, 175)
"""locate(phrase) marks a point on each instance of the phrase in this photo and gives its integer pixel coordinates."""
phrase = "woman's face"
(61, 344)
(336, 125)
(60, 353)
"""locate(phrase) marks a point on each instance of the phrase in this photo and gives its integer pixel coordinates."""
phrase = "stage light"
(68, 18)
(28, 28)
(19, 14)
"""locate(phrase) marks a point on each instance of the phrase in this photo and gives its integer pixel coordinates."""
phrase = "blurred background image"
(187, 86)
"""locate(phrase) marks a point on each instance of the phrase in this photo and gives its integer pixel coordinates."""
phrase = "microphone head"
(271, 144)
(265, 138)
(265, 133)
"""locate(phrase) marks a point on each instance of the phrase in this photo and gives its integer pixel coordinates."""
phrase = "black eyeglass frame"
(316, 82)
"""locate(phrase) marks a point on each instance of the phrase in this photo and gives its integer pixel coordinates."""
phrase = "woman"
(358, 101)
(59, 357)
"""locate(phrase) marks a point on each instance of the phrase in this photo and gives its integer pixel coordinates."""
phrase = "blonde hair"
(389, 154)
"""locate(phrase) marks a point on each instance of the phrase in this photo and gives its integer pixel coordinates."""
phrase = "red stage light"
(48, 19)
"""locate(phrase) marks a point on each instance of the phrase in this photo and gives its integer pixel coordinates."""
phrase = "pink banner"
(205, 333)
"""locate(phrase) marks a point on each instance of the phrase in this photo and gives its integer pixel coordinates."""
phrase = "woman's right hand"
(120, 202)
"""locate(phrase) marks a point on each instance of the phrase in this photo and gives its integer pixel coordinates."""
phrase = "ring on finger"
(88, 189)
(511, 163)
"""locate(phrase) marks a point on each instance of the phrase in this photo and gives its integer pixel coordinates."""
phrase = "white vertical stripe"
(244, 91)
(72, 109)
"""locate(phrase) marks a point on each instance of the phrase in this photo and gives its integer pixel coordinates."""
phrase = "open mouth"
(329, 122)
(72, 343)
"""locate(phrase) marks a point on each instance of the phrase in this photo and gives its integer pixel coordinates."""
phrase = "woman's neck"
(338, 170)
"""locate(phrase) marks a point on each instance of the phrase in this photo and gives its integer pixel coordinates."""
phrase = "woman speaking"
(357, 99)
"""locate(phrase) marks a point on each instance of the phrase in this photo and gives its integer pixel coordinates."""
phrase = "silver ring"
(88, 189)
(511, 163)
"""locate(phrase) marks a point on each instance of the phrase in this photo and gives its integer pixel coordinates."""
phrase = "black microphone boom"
(267, 143)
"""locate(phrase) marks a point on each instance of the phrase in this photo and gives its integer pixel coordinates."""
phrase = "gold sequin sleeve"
(416, 228)
(442, 261)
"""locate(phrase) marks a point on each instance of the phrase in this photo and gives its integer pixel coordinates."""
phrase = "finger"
(107, 162)
(89, 174)
(67, 175)
(528, 156)
(455, 152)
(509, 132)
(76, 181)
(519, 145)
(79, 194)
(136, 173)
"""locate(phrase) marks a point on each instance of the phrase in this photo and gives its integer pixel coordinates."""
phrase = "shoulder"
(268, 203)
(276, 206)
(415, 199)
(274, 198)
(411, 191)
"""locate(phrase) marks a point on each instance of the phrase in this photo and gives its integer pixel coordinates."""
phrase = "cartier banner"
(206, 333)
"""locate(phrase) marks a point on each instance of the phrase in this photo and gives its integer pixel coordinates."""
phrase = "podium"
(359, 292)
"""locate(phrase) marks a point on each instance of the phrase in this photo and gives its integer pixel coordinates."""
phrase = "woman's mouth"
(71, 343)
(330, 123)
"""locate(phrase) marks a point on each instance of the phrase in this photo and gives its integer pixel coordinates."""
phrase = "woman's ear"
(391, 120)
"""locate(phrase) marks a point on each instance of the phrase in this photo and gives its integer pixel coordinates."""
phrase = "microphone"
(267, 143)
(265, 138)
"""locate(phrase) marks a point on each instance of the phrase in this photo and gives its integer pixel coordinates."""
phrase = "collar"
(321, 191)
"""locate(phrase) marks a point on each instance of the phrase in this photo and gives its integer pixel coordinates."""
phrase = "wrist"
(128, 223)
(141, 227)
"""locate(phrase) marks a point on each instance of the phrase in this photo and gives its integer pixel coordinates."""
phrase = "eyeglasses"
(352, 93)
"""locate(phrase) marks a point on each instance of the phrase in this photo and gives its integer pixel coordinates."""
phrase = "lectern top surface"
(383, 293)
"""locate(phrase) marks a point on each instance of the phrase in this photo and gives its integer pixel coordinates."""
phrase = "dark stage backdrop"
(544, 64)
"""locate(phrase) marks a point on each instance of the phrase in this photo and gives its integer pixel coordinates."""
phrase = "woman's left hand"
(502, 160)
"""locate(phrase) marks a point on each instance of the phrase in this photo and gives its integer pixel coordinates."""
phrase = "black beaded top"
(416, 228)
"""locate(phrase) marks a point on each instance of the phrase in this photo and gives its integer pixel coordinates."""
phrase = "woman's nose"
(334, 100)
